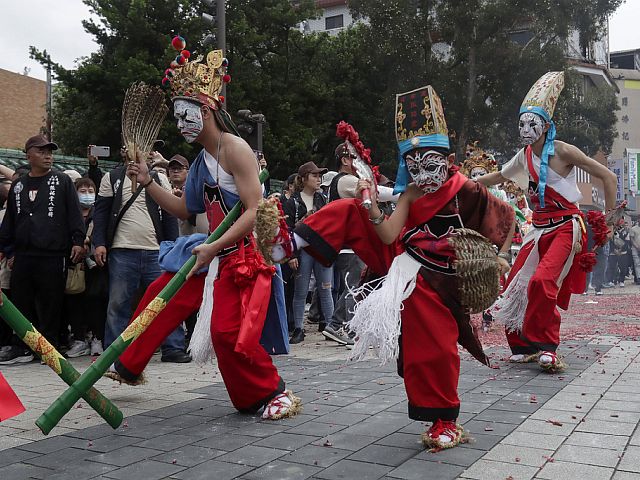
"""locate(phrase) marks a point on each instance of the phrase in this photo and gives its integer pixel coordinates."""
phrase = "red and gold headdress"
(351, 138)
(477, 157)
(199, 81)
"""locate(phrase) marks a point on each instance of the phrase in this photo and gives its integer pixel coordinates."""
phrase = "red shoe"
(442, 434)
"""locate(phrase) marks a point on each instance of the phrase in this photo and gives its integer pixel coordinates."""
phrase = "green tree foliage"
(585, 115)
(481, 56)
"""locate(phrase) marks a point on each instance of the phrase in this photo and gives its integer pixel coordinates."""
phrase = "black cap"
(39, 141)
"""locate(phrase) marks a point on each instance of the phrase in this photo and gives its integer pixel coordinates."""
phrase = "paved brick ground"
(523, 423)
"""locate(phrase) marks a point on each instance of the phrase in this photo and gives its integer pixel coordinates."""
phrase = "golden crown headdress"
(201, 81)
(477, 157)
(511, 187)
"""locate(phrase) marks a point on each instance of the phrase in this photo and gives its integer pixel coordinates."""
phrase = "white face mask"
(477, 172)
(531, 127)
(86, 199)
(189, 119)
(428, 169)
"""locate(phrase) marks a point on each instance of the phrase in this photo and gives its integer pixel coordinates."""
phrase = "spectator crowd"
(78, 252)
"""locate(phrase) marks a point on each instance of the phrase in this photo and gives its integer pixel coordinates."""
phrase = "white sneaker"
(96, 346)
(78, 349)
(621, 284)
(599, 293)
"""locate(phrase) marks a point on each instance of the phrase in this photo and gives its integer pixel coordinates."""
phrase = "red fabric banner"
(10, 404)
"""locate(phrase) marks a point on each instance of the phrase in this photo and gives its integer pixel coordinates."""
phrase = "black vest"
(155, 212)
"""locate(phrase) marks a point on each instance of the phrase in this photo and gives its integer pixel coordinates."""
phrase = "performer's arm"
(574, 156)
(389, 229)
(491, 179)
(176, 206)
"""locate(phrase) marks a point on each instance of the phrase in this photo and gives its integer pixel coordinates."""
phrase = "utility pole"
(49, 99)
(218, 8)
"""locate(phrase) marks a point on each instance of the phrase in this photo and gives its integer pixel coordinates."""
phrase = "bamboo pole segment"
(49, 355)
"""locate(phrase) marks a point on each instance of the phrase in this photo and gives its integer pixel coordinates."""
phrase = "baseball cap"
(72, 174)
(310, 167)
(39, 141)
(180, 160)
(327, 178)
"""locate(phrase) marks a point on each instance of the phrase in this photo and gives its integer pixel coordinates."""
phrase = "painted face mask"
(428, 169)
(189, 119)
(531, 127)
(477, 172)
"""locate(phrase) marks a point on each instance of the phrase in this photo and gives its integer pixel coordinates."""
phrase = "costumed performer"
(412, 248)
(548, 268)
(237, 286)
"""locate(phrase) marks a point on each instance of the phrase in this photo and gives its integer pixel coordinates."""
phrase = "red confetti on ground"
(533, 399)
(517, 459)
(555, 422)
(174, 461)
(583, 320)
(548, 459)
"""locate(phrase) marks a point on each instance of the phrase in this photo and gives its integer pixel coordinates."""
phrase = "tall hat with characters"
(477, 157)
(200, 80)
(419, 123)
(541, 100)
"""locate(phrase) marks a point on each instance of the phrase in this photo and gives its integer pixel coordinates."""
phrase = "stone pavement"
(523, 423)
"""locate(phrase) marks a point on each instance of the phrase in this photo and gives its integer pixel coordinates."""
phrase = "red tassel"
(185, 53)
(221, 98)
(587, 261)
(598, 224)
(226, 78)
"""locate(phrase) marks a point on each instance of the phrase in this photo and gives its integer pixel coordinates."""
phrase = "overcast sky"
(55, 25)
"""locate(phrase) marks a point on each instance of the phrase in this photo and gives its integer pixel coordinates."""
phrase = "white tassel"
(376, 321)
(510, 307)
(201, 346)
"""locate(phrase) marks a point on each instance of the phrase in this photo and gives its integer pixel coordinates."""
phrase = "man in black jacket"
(131, 226)
(43, 229)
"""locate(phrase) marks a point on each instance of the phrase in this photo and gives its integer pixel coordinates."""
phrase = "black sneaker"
(176, 356)
(297, 336)
(15, 354)
(339, 336)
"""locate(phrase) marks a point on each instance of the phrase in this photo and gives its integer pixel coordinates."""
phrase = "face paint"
(477, 172)
(428, 169)
(189, 119)
(531, 127)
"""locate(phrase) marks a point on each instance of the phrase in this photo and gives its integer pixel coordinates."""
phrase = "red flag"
(10, 404)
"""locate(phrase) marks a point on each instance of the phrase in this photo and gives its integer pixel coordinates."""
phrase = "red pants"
(541, 327)
(430, 360)
(251, 381)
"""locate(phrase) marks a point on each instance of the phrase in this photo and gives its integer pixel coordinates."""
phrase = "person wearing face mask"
(420, 297)
(547, 270)
(234, 292)
(86, 311)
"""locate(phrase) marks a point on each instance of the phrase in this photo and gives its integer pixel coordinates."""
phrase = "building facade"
(625, 154)
(23, 112)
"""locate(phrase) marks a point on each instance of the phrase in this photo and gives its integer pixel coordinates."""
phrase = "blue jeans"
(324, 278)
(130, 270)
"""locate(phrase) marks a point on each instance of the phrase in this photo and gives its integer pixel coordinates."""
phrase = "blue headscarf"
(548, 149)
(403, 177)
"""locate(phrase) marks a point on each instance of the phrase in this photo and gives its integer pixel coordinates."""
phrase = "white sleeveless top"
(517, 170)
(226, 180)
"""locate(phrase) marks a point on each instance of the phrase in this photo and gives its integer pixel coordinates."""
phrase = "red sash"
(555, 205)
(427, 206)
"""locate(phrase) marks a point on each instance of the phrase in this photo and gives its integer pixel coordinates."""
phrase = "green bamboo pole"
(58, 409)
(41, 346)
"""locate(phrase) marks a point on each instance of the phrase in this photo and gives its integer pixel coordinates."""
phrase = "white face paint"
(477, 172)
(189, 119)
(531, 127)
(428, 169)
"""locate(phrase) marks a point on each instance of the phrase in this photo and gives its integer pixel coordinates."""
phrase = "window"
(625, 101)
(625, 136)
(336, 21)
